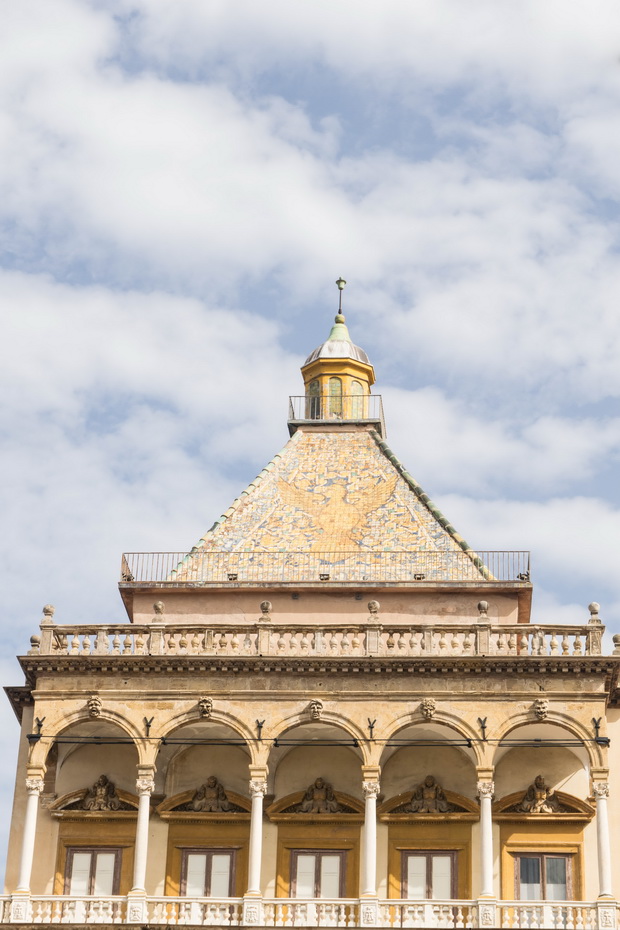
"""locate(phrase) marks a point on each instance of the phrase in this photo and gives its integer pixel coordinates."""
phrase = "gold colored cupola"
(338, 375)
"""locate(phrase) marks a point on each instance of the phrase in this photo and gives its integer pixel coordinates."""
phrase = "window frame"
(319, 853)
(209, 852)
(543, 855)
(94, 851)
(429, 854)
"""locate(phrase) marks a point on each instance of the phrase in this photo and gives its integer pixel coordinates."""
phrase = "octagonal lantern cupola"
(338, 374)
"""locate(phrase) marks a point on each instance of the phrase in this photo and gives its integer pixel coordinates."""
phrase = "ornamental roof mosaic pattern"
(335, 497)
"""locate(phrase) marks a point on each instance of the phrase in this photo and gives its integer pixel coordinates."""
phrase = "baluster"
(501, 642)
(345, 643)
(281, 644)
(195, 646)
(565, 645)
(455, 643)
(390, 641)
(305, 642)
(183, 641)
(577, 649)
(524, 644)
(512, 644)
(467, 642)
(86, 644)
(505, 918)
(443, 645)
(355, 642)
(413, 643)
(247, 643)
(293, 643)
(565, 918)
(116, 645)
(459, 923)
(222, 642)
(553, 645)
(234, 642)
(333, 643)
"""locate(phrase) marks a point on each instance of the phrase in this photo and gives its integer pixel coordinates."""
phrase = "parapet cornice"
(456, 666)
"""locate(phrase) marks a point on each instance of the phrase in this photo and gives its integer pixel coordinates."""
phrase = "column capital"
(34, 784)
(371, 789)
(486, 789)
(258, 787)
(600, 789)
(145, 783)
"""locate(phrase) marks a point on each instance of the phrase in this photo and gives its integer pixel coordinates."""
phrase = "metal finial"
(340, 283)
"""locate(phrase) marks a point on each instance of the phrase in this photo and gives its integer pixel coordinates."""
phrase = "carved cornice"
(458, 666)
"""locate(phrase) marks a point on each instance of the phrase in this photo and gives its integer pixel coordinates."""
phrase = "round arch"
(590, 754)
(41, 749)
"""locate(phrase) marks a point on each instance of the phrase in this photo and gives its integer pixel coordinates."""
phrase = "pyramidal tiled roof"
(332, 492)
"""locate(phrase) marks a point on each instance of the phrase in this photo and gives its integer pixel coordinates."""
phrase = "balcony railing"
(306, 639)
(359, 566)
(337, 408)
(295, 912)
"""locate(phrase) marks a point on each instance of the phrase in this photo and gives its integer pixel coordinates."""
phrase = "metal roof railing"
(358, 566)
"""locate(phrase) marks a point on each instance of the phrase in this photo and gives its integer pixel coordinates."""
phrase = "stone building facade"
(331, 711)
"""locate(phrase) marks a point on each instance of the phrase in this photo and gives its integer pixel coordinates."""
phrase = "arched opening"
(335, 397)
(543, 812)
(313, 411)
(202, 777)
(357, 401)
(428, 815)
(316, 812)
(91, 776)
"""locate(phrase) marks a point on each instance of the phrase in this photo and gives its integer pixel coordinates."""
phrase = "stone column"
(144, 786)
(601, 793)
(486, 790)
(252, 900)
(369, 875)
(34, 787)
(258, 789)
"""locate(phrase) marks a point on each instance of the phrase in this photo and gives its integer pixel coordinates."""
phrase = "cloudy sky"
(182, 181)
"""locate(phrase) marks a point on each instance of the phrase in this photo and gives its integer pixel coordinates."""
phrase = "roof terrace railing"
(337, 408)
(359, 567)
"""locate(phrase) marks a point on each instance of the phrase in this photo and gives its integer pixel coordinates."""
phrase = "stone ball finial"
(594, 609)
(373, 607)
(158, 607)
(483, 607)
(616, 642)
(266, 608)
(48, 611)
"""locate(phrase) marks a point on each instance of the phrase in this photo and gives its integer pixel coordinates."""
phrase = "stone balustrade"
(274, 639)
(290, 912)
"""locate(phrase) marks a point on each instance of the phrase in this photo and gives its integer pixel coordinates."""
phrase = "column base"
(136, 908)
(252, 910)
(21, 909)
(606, 908)
(487, 911)
(369, 911)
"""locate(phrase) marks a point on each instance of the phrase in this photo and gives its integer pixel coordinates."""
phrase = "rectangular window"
(317, 873)
(93, 871)
(542, 877)
(207, 873)
(429, 875)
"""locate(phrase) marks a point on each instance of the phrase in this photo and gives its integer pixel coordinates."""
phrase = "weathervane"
(340, 284)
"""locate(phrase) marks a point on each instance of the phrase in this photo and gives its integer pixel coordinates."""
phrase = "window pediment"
(539, 802)
(428, 801)
(101, 801)
(318, 802)
(210, 801)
